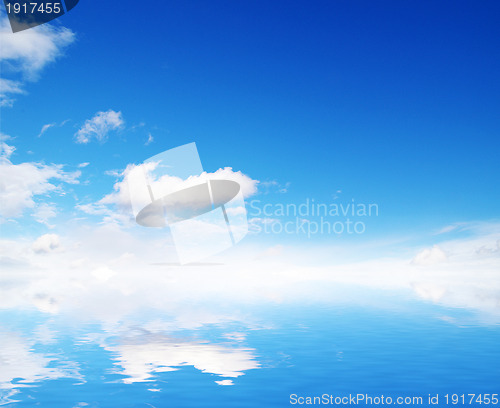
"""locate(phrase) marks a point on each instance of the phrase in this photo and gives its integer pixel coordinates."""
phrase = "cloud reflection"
(21, 367)
(139, 358)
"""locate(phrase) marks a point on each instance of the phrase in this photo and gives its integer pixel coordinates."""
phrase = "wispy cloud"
(51, 125)
(5, 149)
(7, 88)
(45, 128)
(99, 126)
(273, 186)
(114, 173)
(21, 183)
(150, 139)
(44, 212)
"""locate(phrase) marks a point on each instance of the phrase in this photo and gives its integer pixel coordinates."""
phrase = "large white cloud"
(131, 185)
(24, 54)
(99, 126)
(117, 205)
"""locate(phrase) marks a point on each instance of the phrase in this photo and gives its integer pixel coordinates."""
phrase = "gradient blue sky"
(387, 102)
(390, 102)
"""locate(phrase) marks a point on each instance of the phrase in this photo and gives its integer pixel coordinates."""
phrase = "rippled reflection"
(21, 366)
(140, 357)
(272, 350)
(42, 353)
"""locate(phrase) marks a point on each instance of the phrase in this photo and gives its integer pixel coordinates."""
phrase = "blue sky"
(390, 103)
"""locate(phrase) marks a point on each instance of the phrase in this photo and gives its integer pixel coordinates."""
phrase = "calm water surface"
(260, 358)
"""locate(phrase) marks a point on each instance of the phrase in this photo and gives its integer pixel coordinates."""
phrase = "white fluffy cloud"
(117, 206)
(99, 126)
(430, 256)
(247, 184)
(131, 185)
(26, 53)
(46, 243)
(20, 183)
